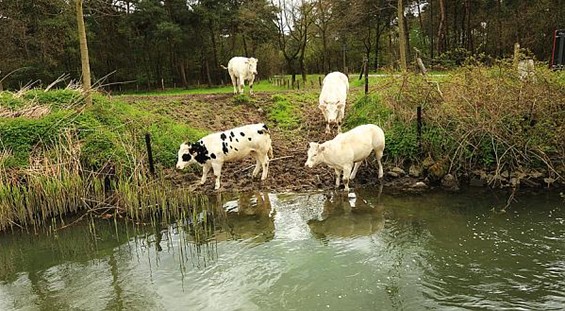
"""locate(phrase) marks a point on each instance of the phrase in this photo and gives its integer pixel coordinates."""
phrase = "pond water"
(369, 250)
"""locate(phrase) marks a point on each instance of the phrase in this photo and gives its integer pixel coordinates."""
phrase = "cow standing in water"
(332, 99)
(241, 69)
(347, 150)
(232, 145)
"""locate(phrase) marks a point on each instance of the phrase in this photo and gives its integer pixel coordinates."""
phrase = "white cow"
(332, 98)
(347, 150)
(241, 69)
(213, 150)
(526, 69)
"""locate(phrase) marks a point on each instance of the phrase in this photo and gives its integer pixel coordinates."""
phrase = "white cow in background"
(332, 99)
(347, 150)
(241, 69)
(213, 150)
(526, 69)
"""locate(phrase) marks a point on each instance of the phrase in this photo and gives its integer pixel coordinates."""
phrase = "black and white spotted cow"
(213, 150)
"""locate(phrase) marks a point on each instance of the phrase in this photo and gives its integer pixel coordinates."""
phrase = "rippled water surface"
(317, 251)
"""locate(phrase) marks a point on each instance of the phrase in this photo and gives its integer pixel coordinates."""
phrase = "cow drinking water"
(241, 69)
(213, 150)
(347, 150)
(332, 99)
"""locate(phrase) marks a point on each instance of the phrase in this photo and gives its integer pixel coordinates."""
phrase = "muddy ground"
(219, 112)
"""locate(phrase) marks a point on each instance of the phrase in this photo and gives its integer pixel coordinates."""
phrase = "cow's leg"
(379, 154)
(257, 165)
(355, 168)
(265, 165)
(240, 84)
(234, 83)
(346, 176)
(205, 170)
(251, 85)
(339, 119)
(217, 167)
(337, 177)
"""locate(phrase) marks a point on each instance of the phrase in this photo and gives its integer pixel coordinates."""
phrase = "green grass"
(283, 113)
(261, 86)
(109, 130)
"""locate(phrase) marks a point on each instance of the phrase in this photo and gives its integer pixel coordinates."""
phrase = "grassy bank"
(475, 120)
(59, 157)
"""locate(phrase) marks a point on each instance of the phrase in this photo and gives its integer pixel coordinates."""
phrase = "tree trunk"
(377, 46)
(84, 60)
(499, 26)
(245, 46)
(431, 29)
(208, 74)
(468, 31)
(214, 53)
(407, 35)
(441, 36)
(421, 22)
(402, 36)
(183, 74)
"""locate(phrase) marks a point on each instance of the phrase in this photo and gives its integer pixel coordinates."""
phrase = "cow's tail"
(224, 67)
(270, 151)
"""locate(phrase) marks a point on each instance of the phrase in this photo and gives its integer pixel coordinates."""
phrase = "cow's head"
(185, 156)
(314, 155)
(332, 110)
(252, 66)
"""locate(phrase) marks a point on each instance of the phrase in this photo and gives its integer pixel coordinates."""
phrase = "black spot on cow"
(242, 134)
(201, 158)
(201, 152)
(213, 156)
(186, 157)
(237, 140)
(231, 139)
(236, 149)
(232, 134)
(265, 127)
(231, 147)
(260, 132)
(223, 136)
(225, 147)
(249, 138)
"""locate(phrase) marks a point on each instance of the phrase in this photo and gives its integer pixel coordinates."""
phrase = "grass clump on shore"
(477, 118)
(72, 158)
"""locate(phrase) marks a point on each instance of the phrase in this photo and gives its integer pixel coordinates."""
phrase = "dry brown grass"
(30, 111)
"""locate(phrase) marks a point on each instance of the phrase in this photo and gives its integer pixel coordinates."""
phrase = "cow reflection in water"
(246, 217)
(347, 215)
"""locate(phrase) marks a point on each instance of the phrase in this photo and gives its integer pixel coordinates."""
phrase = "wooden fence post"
(149, 153)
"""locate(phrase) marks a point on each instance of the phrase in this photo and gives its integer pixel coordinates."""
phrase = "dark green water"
(319, 251)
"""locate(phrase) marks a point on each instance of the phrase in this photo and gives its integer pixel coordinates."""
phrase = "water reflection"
(348, 215)
(326, 250)
(248, 216)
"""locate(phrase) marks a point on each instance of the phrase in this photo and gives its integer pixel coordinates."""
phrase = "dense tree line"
(146, 43)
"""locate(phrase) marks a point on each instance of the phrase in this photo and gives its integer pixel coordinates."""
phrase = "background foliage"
(150, 43)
